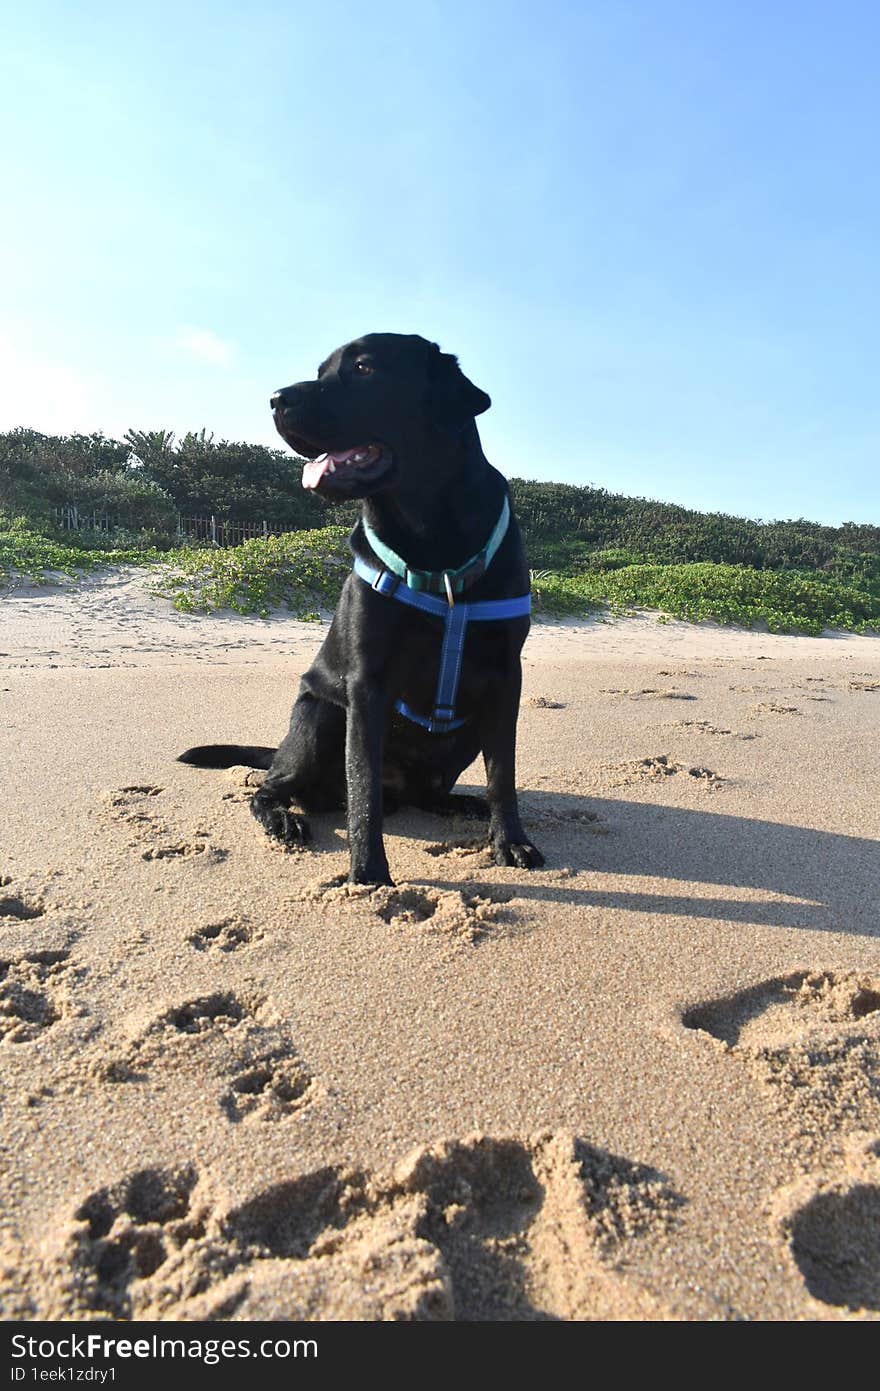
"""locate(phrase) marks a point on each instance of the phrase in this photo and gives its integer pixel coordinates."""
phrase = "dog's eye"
(363, 367)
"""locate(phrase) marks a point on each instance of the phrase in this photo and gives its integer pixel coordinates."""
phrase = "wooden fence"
(223, 533)
(213, 529)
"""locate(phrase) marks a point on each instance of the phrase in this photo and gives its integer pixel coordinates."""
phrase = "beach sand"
(640, 1083)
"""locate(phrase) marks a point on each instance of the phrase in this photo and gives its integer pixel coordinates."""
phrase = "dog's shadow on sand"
(835, 878)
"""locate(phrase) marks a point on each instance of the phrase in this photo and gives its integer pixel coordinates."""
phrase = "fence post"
(265, 528)
(213, 529)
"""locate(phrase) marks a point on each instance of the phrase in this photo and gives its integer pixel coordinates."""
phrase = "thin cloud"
(205, 346)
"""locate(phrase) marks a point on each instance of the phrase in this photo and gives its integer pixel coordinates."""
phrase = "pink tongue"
(314, 470)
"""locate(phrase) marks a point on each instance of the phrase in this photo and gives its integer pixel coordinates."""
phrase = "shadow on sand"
(836, 878)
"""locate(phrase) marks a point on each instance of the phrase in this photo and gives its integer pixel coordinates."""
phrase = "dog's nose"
(277, 401)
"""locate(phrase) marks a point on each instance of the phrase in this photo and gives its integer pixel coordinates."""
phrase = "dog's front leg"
(507, 840)
(365, 736)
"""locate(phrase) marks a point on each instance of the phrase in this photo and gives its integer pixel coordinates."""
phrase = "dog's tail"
(228, 755)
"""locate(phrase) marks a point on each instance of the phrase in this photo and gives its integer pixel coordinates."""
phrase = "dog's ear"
(452, 400)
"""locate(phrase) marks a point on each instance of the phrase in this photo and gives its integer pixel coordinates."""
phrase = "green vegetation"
(572, 529)
(145, 480)
(785, 602)
(591, 548)
(27, 552)
(303, 569)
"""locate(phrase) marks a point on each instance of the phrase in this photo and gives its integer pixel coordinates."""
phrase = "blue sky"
(649, 229)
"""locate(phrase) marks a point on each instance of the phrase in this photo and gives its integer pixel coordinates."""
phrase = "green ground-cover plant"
(783, 600)
(303, 569)
(30, 553)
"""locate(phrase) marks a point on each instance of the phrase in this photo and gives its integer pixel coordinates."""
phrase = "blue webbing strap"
(436, 581)
(451, 654)
(483, 610)
(456, 618)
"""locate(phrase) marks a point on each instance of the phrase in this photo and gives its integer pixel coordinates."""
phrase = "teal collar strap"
(446, 582)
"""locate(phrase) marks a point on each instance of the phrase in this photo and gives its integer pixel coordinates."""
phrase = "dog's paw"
(519, 854)
(280, 823)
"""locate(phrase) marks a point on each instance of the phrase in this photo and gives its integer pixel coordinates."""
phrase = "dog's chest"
(486, 655)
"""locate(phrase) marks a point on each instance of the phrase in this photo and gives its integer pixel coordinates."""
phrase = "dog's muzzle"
(333, 469)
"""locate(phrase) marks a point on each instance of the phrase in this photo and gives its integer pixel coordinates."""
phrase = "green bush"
(564, 527)
(611, 559)
(26, 552)
(304, 570)
(784, 601)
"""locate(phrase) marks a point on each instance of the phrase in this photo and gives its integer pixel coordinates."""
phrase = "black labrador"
(390, 420)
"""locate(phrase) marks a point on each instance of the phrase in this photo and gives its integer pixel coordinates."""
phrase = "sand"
(641, 1083)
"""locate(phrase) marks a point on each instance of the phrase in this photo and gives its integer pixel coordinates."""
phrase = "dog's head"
(383, 412)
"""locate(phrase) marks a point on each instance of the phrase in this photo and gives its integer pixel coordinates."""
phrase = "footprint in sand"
(651, 691)
(458, 916)
(225, 936)
(659, 767)
(447, 910)
(772, 707)
(34, 994)
(830, 1229)
(813, 1038)
(270, 1088)
(138, 808)
(233, 1040)
(12, 906)
(133, 803)
(184, 849)
(501, 1229)
(116, 1241)
(544, 703)
(545, 808)
(706, 727)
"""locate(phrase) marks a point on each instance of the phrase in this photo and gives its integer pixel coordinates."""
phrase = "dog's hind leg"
(428, 786)
(308, 770)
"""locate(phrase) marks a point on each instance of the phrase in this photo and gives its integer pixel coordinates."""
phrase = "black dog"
(440, 569)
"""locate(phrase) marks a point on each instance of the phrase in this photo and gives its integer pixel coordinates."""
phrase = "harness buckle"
(450, 597)
(386, 584)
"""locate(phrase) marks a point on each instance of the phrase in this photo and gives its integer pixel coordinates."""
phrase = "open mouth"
(347, 468)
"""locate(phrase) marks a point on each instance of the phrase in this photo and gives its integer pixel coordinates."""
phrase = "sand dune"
(641, 1083)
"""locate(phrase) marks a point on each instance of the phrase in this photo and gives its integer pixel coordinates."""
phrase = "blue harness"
(442, 719)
